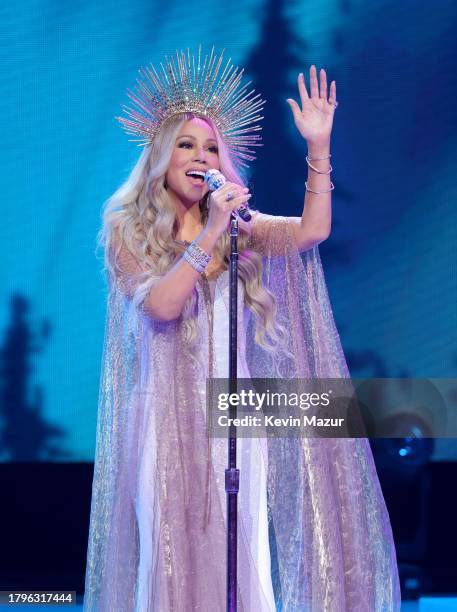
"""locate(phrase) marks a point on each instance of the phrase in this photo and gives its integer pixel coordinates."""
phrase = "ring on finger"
(229, 196)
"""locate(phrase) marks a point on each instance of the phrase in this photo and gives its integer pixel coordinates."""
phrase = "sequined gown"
(254, 581)
(157, 540)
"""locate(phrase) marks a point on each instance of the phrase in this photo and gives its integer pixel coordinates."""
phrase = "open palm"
(314, 119)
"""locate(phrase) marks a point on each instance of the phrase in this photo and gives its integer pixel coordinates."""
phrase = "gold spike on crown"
(188, 85)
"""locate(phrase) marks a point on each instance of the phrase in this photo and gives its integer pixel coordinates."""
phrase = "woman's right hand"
(166, 299)
(220, 208)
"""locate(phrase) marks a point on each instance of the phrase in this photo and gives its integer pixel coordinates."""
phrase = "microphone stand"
(232, 474)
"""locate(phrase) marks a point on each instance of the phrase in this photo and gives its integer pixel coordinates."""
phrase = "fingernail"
(245, 189)
(249, 195)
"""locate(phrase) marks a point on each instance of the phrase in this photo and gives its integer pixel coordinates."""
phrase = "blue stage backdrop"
(390, 261)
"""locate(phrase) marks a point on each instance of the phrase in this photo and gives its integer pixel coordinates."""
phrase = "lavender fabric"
(157, 537)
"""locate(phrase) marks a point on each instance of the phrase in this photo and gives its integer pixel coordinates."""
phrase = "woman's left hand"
(315, 119)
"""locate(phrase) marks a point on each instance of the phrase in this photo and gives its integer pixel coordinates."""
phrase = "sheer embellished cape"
(333, 540)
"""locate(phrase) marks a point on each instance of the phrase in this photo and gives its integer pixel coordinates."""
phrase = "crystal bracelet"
(196, 257)
(332, 186)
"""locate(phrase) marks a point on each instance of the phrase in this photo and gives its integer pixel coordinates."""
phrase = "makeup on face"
(195, 152)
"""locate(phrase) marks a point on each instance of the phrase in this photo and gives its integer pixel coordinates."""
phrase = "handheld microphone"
(215, 179)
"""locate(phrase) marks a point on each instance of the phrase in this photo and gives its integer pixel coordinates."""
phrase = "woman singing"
(313, 531)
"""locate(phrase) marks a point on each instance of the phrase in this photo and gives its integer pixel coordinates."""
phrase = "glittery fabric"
(157, 536)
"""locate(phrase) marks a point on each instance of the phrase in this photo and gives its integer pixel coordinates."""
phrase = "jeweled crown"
(189, 85)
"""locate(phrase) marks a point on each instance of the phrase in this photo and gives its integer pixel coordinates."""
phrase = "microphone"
(215, 179)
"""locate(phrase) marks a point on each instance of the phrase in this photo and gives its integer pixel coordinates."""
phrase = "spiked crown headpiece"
(189, 85)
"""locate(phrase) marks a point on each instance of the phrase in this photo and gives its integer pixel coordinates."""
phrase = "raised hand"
(314, 119)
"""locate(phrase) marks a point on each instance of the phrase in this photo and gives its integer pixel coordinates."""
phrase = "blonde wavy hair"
(145, 217)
